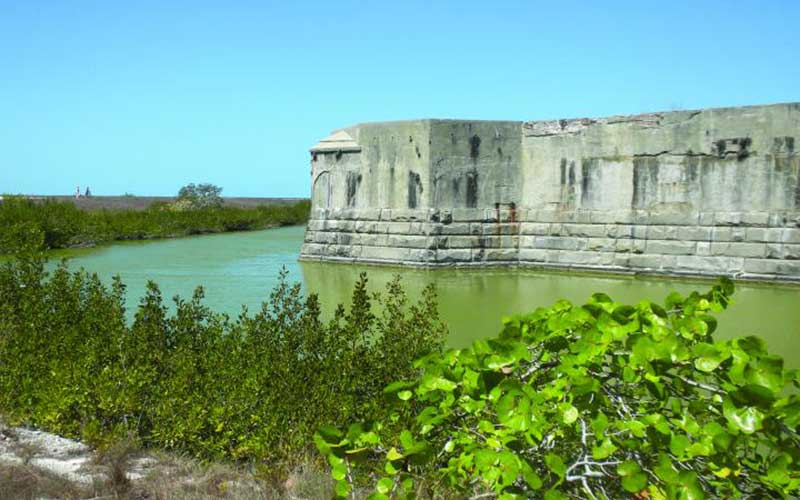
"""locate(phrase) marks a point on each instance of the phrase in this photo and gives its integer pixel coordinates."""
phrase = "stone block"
(315, 225)
(639, 232)
(325, 237)
(464, 241)
(398, 227)
(662, 232)
(348, 214)
(585, 230)
(577, 258)
(694, 233)
(791, 235)
(738, 249)
(366, 226)
(619, 230)
(708, 264)
(774, 250)
(456, 228)
(468, 214)
(408, 241)
(601, 244)
(727, 218)
(630, 246)
(454, 255)
(558, 243)
(668, 247)
(777, 220)
(312, 249)
(763, 234)
(532, 255)
(755, 218)
(673, 218)
(431, 228)
(535, 228)
(415, 255)
(612, 217)
(641, 217)
(501, 254)
(772, 267)
(392, 254)
(386, 214)
(791, 251)
(557, 229)
(547, 215)
(648, 261)
(503, 228)
(409, 215)
(728, 234)
(705, 219)
(703, 248)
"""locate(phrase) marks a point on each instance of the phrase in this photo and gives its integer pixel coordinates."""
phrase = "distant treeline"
(60, 224)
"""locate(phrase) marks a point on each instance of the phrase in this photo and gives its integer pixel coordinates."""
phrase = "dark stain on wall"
(456, 187)
(572, 173)
(474, 147)
(783, 145)
(563, 171)
(414, 189)
(738, 146)
(645, 181)
(588, 165)
(692, 163)
(353, 181)
(472, 189)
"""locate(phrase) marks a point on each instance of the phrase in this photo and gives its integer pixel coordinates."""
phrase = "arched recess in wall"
(322, 190)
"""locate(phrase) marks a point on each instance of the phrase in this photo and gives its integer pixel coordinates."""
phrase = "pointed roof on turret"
(337, 141)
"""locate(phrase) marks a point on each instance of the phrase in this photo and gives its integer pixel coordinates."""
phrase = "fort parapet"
(707, 192)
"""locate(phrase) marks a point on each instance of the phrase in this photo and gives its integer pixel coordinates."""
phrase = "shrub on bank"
(251, 388)
(599, 401)
(63, 225)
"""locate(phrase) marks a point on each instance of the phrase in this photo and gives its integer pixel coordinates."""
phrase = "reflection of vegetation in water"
(473, 301)
(256, 387)
(605, 400)
(56, 224)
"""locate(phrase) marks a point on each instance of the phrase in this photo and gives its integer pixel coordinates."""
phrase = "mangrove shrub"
(255, 387)
(599, 401)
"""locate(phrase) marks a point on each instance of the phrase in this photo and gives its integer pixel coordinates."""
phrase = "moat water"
(239, 269)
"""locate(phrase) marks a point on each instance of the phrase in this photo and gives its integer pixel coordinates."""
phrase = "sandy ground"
(38, 465)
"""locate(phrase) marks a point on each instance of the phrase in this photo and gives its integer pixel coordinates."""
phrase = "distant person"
(78, 191)
(88, 192)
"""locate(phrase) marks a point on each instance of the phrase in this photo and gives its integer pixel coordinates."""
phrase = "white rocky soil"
(63, 457)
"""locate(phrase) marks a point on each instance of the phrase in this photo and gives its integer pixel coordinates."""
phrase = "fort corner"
(707, 192)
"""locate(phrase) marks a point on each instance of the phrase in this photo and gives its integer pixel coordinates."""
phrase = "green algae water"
(240, 269)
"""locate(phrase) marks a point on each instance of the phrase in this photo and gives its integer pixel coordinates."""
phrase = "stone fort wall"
(705, 192)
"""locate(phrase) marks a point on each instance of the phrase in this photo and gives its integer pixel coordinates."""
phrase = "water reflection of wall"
(472, 302)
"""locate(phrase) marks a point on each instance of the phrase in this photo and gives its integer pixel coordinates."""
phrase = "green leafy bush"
(55, 224)
(599, 401)
(251, 388)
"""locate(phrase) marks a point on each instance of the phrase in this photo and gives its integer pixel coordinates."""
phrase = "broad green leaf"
(384, 485)
(746, 419)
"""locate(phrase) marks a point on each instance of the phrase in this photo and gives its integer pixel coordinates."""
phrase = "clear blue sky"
(146, 96)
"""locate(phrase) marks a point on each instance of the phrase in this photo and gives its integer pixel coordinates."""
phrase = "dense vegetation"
(599, 401)
(60, 224)
(251, 388)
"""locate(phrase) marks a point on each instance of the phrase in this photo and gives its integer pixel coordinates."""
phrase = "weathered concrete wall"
(691, 192)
